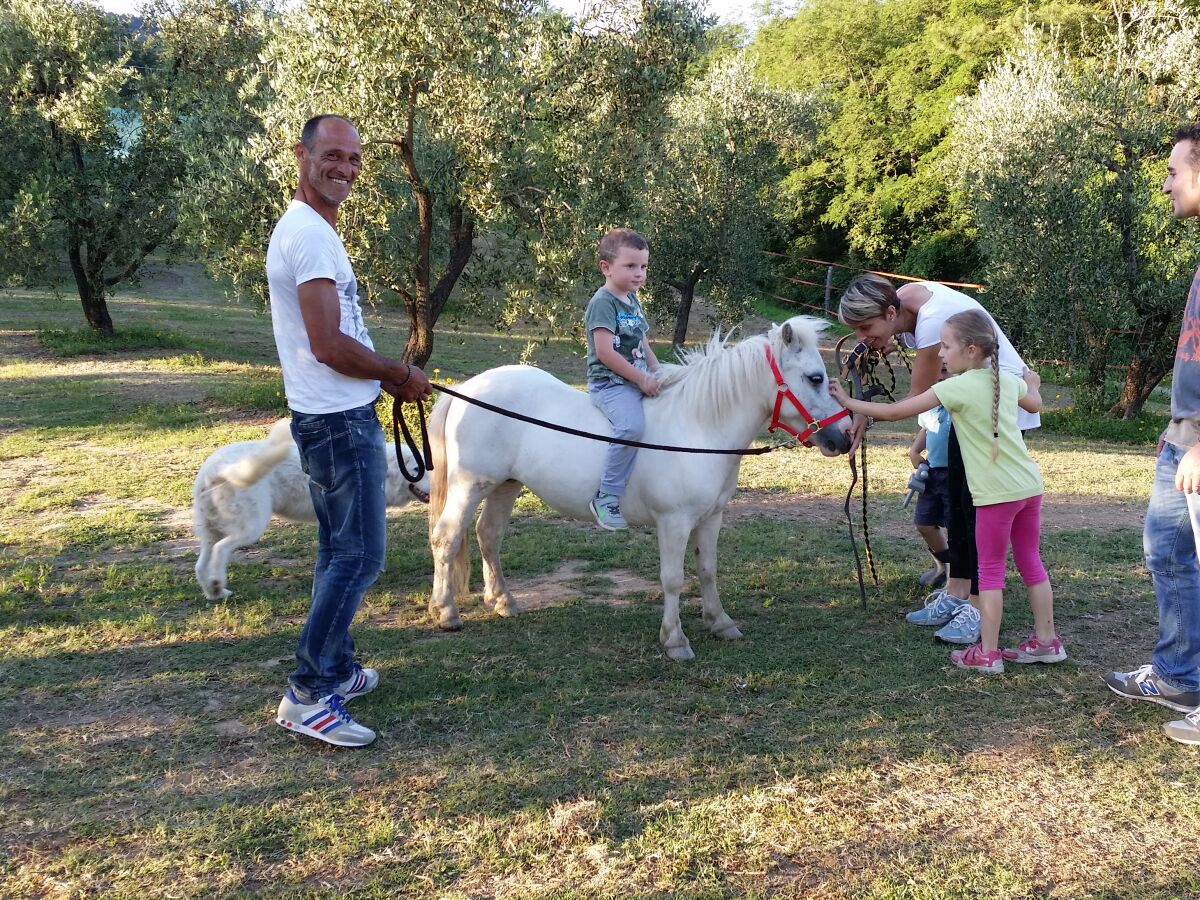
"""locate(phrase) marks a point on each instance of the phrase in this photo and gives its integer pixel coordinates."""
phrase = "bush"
(1145, 429)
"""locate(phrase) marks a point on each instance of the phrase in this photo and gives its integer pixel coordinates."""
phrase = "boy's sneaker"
(362, 681)
(939, 608)
(1143, 684)
(326, 720)
(963, 628)
(991, 663)
(1034, 651)
(1186, 730)
(606, 508)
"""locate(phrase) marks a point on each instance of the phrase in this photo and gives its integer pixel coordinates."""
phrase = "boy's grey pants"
(622, 404)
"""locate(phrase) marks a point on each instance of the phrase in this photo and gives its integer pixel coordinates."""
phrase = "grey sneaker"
(326, 720)
(606, 508)
(963, 628)
(361, 681)
(939, 608)
(1186, 730)
(1144, 684)
(934, 578)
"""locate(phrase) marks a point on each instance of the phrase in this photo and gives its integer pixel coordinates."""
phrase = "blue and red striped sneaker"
(361, 681)
(326, 720)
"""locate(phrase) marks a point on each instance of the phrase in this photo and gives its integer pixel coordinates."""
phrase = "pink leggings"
(995, 525)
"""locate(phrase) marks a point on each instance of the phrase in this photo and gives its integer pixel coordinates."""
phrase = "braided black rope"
(861, 368)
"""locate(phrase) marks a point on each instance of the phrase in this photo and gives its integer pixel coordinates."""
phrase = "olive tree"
(1061, 157)
(498, 138)
(711, 194)
(96, 157)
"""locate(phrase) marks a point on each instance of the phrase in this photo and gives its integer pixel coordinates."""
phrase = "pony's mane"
(711, 380)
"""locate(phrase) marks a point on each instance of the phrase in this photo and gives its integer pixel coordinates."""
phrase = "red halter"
(782, 391)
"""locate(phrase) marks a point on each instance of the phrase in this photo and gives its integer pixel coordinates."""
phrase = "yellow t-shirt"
(1013, 475)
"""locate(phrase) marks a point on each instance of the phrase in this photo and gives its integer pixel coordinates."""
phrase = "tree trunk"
(91, 291)
(687, 293)
(1143, 376)
(426, 305)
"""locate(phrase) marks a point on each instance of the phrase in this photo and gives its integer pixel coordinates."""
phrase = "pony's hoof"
(730, 633)
(450, 623)
(506, 608)
(681, 654)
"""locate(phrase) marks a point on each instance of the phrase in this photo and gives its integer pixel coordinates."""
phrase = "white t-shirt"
(305, 247)
(933, 314)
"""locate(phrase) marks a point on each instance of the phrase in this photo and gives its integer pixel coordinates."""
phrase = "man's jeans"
(1169, 541)
(344, 457)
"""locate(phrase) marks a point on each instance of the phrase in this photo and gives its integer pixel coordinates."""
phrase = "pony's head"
(794, 344)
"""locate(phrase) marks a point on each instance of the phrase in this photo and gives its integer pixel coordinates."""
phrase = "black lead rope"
(859, 367)
(422, 456)
(424, 460)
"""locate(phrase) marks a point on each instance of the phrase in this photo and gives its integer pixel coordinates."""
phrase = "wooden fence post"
(828, 288)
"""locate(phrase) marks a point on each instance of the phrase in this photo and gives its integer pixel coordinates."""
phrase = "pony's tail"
(255, 466)
(439, 481)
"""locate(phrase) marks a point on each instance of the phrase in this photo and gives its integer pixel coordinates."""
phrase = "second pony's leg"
(489, 530)
(447, 541)
(673, 534)
(706, 565)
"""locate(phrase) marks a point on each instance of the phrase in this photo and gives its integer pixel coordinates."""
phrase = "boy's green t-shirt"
(1013, 475)
(627, 322)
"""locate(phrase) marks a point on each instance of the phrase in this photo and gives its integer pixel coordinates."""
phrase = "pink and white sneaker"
(974, 658)
(1032, 650)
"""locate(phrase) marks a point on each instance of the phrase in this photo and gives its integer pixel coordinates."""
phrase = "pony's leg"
(706, 567)
(448, 542)
(489, 531)
(672, 544)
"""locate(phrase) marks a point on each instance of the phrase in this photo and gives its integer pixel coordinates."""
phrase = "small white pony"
(721, 397)
(241, 485)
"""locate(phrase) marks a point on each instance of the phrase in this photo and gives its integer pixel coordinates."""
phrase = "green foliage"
(890, 73)
(97, 153)
(501, 140)
(84, 341)
(712, 194)
(1143, 429)
(1061, 157)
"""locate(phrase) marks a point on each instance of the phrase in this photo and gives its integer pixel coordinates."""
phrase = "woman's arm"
(887, 412)
(1032, 401)
(927, 366)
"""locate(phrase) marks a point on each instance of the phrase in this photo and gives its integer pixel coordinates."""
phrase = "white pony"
(241, 485)
(721, 397)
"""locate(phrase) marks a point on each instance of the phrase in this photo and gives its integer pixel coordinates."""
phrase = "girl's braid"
(995, 400)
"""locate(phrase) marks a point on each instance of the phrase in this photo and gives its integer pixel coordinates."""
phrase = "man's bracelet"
(407, 375)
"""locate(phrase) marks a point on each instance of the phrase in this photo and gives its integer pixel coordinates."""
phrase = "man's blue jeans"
(344, 457)
(1169, 541)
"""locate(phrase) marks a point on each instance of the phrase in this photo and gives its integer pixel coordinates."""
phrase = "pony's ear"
(787, 333)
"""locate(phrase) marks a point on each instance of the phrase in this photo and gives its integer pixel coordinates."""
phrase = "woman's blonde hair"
(975, 328)
(866, 297)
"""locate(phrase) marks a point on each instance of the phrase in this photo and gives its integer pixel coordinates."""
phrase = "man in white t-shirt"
(332, 377)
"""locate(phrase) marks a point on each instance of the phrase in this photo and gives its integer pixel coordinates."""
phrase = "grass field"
(832, 753)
